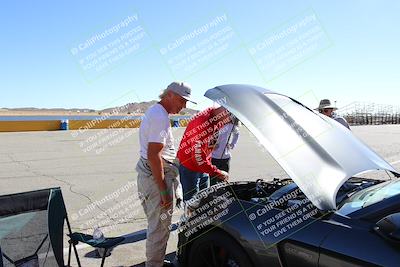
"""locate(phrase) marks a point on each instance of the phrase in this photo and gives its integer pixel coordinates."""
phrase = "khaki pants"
(158, 219)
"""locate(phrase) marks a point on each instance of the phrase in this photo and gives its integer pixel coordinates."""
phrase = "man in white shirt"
(156, 171)
(221, 155)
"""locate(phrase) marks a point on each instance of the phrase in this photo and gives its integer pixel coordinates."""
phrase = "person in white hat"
(325, 107)
(157, 173)
(227, 140)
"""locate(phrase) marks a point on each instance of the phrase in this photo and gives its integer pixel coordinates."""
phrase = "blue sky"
(349, 50)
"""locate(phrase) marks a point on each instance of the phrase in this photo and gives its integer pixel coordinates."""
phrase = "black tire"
(216, 248)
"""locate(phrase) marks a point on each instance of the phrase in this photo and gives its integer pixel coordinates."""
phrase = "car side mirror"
(389, 227)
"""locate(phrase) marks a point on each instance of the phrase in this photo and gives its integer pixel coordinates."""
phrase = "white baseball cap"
(182, 89)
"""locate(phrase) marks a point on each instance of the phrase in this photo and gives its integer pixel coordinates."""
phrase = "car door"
(302, 248)
(354, 243)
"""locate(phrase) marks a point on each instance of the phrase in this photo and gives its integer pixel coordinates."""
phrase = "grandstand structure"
(366, 113)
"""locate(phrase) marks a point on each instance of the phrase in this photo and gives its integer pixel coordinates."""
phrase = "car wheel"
(216, 248)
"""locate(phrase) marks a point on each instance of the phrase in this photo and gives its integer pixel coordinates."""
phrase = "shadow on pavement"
(132, 238)
(170, 257)
(140, 235)
(92, 254)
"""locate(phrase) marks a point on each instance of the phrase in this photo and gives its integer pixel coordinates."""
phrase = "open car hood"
(318, 153)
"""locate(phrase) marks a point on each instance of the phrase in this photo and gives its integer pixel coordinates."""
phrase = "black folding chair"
(32, 227)
(1, 258)
(106, 244)
(32, 230)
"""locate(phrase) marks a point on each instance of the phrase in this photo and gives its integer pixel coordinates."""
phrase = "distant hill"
(140, 108)
(130, 108)
(48, 109)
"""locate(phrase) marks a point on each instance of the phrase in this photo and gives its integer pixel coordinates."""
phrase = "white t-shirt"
(227, 139)
(156, 128)
(341, 120)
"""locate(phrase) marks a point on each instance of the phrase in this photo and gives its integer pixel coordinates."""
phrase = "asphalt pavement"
(96, 172)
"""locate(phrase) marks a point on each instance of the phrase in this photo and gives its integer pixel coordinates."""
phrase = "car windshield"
(369, 196)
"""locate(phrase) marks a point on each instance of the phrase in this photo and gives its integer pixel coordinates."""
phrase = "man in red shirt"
(195, 149)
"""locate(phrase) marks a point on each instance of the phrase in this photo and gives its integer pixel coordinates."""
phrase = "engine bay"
(262, 191)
